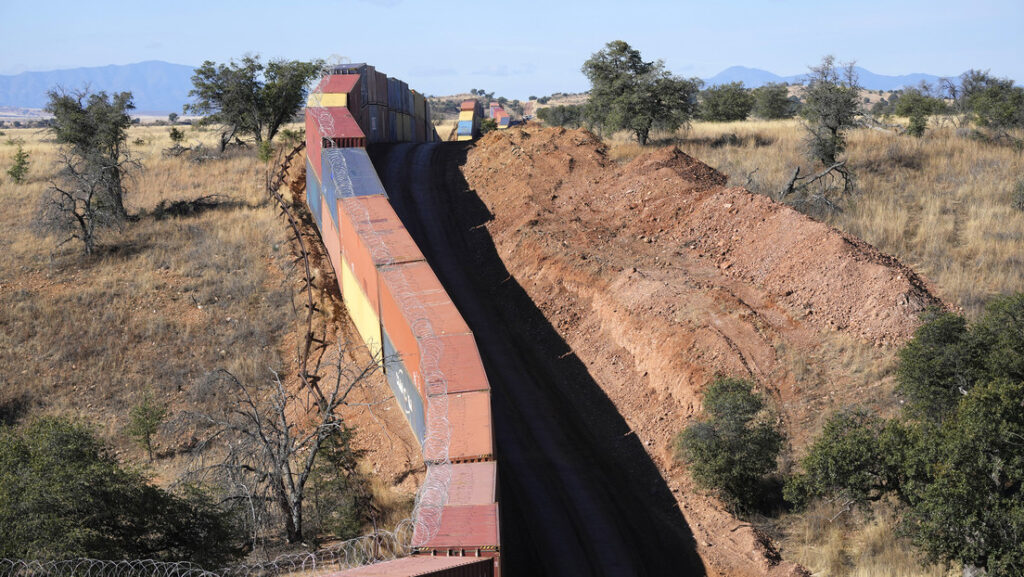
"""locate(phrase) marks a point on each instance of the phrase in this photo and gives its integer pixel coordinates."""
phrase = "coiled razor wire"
(375, 548)
(433, 492)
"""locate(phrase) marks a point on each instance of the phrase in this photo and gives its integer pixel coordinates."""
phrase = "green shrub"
(19, 169)
(1017, 196)
(62, 494)
(734, 447)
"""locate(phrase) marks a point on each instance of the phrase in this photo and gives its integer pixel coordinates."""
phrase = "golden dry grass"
(831, 541)
(940, 203)
(162, 304)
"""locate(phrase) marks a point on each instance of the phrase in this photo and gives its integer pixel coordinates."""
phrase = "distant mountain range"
(162, 87)
(754, 77)
(157, 87)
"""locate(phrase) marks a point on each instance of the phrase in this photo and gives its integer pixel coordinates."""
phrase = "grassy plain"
(164, 302)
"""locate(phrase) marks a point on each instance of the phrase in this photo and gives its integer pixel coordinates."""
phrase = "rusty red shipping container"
(423, 566)
(372, 235)
(473, 484)
(337, 83)
(469, 105)
(469, 419)
(418, 314)
(466, 528)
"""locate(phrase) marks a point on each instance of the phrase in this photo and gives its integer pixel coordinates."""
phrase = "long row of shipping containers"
(384, 109)
(401, 310)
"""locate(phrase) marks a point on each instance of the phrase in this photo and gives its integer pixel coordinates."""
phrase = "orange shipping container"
(468, 416)
(421, 319)
(467, 528)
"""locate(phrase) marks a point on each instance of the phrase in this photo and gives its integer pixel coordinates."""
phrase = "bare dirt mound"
(659, 277)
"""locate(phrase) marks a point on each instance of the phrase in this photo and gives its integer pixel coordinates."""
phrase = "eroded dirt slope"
(659, 277)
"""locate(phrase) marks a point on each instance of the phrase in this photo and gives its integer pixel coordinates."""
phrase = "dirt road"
(579, 494)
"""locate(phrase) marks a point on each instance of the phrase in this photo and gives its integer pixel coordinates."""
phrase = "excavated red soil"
(660, 277)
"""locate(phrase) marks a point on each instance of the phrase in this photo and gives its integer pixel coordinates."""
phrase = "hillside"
(658, 276)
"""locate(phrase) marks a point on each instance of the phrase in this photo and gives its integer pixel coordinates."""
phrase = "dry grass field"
(941, 203)
(165, 302)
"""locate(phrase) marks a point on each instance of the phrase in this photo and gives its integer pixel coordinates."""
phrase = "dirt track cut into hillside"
(619, 292)
(657, 277)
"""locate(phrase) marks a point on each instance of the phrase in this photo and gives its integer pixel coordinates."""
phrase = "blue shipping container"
(405, 390)
(465, 127)
(313, 195)
(348, 172)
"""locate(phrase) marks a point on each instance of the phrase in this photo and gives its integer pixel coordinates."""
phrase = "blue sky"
(448, 46)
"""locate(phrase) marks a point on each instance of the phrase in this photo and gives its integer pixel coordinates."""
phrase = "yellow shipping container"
(466, 115)
(328, 100)
(465, 137)
(362, 312)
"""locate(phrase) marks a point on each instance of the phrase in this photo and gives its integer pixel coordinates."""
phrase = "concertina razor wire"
(375, 548)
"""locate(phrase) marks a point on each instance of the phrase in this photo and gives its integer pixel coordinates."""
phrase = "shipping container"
(336, 127)
(313, 141)
(348, 172)
(467, 115)
(423, 566)
(465, 128)
(473, 484)
(382, 89)
(380, 230)
(470, 105)
(420, 317)
(362, 313)
(466, 528)
(313, 195)
(392, 125)
(469, 415)
(337, 84)
(407, 123)
(401, 383)
(331, 235)
(419, 105)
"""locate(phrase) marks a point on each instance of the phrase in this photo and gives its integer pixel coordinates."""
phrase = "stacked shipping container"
(470, 114)
(395, 300)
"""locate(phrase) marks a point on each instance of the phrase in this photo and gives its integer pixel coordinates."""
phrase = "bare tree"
(266, 447)
(78, 203)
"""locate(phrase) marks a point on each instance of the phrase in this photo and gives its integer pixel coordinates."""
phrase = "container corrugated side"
(466, 527)
(470, 105)
(331, 235)
(466, 115)
(473, 484)
(362, 313)
(313, 142)
(381, 231)
(423, 566)
(404, 389)
(313, 199)
(349, 172)
(469, 417)
(465, 127)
